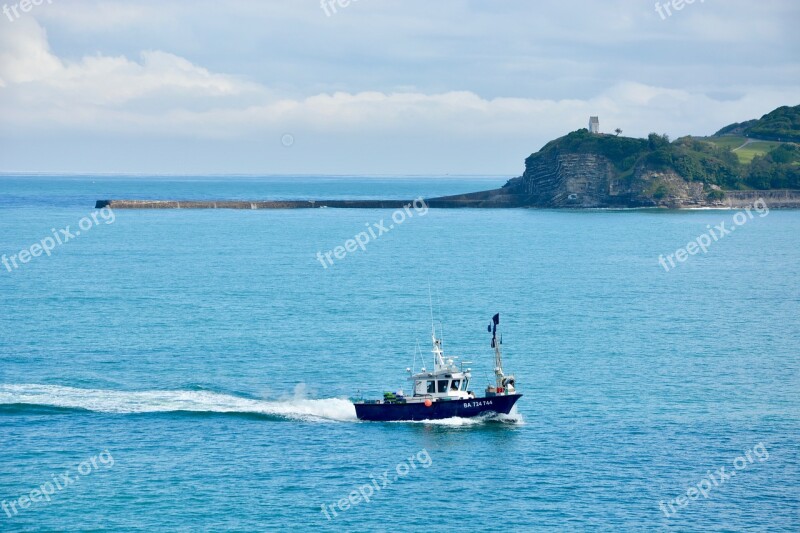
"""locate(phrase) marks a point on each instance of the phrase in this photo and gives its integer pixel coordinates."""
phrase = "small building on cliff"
(594, 125)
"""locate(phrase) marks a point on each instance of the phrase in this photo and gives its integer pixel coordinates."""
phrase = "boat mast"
(498, 354)
(438, 354)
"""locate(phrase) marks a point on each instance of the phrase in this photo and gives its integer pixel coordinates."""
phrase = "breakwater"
(244, 204)
(485, 199)
(507, 197)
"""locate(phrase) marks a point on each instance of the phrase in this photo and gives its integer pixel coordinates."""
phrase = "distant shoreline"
(179, 176)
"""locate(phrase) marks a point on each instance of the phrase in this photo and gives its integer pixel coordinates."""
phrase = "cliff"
(590, 180)
(576, 180)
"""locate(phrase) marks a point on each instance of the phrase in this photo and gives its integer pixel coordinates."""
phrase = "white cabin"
(445, 381)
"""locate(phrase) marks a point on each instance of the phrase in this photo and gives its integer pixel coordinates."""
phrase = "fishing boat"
(444, 391)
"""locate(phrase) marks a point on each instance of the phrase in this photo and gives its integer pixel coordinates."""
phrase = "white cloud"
(149, 93)
(24, 53)
(26, 59)
(166, 94)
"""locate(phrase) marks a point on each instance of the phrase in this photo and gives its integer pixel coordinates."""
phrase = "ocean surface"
(186, 370)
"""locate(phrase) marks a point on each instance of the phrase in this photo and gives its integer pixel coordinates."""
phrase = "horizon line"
(244, 175)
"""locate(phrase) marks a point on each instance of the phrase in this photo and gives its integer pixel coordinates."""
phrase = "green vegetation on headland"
(760, 137)
(783, 125)
(730, 162)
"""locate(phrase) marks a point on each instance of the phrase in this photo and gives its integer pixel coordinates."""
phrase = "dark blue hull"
(390, 412)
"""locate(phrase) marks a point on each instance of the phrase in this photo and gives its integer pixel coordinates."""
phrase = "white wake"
(512, 418)
(110, 401)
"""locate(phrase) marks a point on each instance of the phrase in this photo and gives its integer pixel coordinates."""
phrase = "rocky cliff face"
(590, 180)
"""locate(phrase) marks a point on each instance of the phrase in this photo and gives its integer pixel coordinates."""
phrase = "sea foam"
(122, 402)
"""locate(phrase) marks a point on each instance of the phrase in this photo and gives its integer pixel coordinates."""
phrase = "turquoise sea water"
(209, 356)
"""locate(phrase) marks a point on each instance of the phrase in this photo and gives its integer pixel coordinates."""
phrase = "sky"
(373, 87)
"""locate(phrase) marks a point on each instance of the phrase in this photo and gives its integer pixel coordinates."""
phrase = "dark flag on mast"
(493, 328)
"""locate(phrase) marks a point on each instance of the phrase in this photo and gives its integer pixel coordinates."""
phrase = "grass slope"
(745, 149)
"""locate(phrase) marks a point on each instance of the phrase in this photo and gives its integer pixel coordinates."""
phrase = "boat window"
(465, 385)
(456, 384)
(431, 387)
(443, 385)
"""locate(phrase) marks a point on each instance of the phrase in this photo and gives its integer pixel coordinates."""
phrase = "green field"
(729, 142)
(747, 153)
(753, 149)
